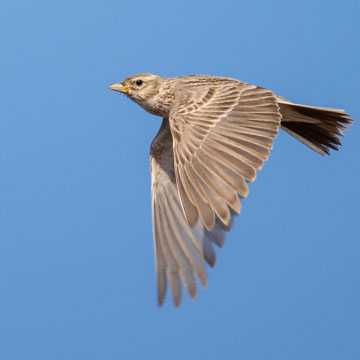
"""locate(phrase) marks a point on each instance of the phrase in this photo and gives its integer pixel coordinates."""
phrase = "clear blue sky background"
(77, 277)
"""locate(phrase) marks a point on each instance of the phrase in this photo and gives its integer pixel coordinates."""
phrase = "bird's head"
(144, 89)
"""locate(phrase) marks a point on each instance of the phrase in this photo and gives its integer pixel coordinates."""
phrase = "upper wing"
(222, 134)
(180, 249)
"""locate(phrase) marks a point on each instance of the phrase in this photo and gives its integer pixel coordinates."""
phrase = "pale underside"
(202, 158)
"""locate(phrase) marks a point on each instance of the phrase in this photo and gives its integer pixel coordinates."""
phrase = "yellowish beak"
(119, 87)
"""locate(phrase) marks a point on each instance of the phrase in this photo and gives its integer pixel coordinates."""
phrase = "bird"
(216, 133)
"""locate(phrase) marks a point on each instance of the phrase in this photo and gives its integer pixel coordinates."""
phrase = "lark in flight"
(215, 134)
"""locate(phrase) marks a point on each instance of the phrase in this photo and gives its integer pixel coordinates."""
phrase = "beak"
(119, 87)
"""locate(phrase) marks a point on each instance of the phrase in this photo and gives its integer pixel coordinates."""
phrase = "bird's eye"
(139, 82)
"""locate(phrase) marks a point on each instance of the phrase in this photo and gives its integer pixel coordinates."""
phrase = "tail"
(318, 128)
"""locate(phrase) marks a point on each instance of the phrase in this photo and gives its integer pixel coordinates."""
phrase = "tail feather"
(318, 128)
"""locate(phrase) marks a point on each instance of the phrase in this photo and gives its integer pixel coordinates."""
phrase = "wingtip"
(176, 302)
(161, 297)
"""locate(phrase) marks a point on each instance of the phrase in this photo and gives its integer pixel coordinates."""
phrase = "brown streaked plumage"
(215, 134)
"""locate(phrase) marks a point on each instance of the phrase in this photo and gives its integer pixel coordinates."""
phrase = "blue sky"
(77, 277)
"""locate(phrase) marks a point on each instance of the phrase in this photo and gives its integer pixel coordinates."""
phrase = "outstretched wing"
(222, 132)
(180, 249)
